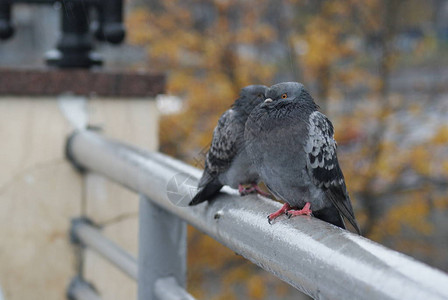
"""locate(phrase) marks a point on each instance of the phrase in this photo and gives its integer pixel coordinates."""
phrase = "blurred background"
(377, 68)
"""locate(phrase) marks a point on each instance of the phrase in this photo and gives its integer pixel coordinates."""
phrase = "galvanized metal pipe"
(90, 236)
(81, 290)
(317, 258)
(168, 289)
(162, 249)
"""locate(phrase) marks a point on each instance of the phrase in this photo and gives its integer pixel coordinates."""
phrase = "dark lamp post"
(75, 46)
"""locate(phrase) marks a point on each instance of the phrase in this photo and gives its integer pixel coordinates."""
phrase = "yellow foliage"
(441, 137)
(412, 213)
(256, 287)
(421, 157)
(203, 66)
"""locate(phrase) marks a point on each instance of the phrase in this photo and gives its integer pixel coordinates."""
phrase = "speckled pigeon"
(226, 162)
(292, 146)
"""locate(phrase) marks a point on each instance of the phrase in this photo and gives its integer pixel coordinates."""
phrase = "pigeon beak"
(269, 100)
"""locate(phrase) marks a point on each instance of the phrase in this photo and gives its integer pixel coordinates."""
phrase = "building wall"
(40, 192)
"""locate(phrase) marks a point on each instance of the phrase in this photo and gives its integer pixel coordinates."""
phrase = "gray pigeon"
(292, 146)
(226, 161)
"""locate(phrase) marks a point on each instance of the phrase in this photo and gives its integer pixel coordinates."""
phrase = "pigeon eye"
(284, 96)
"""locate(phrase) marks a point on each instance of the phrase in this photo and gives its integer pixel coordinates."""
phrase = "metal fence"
(317, 258)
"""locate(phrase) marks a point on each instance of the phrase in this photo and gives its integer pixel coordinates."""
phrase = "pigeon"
(226, 161)
(292, 146)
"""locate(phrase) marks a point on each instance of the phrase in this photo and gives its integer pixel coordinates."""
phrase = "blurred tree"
(393, 182)
(349, 43)
(210, 51)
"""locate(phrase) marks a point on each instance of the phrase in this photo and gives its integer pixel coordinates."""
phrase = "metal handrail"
(81, 290)
(317, 258)
(83, 232)
(87, 235)
(168, 289)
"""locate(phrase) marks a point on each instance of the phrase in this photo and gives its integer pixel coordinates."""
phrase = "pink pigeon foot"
(304, 211)
(245, 190)
(279, 212)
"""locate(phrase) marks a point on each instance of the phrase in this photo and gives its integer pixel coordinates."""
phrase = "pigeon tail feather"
(330, 215)
(207, 192)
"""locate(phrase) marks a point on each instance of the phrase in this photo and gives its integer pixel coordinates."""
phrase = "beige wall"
(40, 192)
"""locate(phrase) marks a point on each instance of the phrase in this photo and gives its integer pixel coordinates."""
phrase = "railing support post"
(162, 249)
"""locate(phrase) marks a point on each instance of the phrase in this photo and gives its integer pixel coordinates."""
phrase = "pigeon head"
(285, 91)
(250, 96)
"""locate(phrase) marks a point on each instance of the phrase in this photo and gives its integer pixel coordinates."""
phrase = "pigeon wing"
(223, 149)
(323, 166)
(224, 144)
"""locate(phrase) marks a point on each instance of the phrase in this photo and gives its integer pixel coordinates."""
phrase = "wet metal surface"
(81, 290)
(169, 289)
(317, 258)
(162, 250)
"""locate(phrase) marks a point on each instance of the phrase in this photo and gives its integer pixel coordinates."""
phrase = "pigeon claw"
(305, 211)
(278, 213)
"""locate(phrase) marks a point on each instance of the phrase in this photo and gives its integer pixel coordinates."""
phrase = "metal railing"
(79, 289)
(84, 233)
(317, 258)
